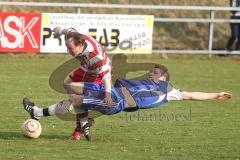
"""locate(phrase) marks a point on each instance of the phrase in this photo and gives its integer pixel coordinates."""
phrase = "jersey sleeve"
(106, 74)
(174, 94)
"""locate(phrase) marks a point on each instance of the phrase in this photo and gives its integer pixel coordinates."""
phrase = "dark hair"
(163, 70)
(78, 38)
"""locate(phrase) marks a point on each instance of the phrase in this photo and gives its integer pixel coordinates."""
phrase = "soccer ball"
(31, 128)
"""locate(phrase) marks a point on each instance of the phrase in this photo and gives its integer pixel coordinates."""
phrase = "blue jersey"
(146, 93)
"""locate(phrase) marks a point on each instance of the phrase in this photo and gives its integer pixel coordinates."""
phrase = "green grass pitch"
(179, 130)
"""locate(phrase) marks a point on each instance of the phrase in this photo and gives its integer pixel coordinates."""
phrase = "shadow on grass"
(18, 135)
(11, 135)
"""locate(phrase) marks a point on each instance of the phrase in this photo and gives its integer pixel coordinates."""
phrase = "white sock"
(83, 121)
(52, 109)
(38, 112)
(58, 108)
(55, 109)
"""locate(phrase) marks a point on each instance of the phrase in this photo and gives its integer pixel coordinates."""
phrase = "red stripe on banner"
(20, 32)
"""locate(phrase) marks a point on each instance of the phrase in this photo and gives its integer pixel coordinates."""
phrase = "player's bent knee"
(74, 87)
(76, 99)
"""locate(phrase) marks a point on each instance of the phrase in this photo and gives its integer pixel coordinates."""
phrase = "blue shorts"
(93, 99)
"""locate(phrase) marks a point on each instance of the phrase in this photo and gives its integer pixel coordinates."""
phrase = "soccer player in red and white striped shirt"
(94, 66)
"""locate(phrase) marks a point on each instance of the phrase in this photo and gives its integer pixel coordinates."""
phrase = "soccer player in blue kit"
(131, 95)
(127, 95)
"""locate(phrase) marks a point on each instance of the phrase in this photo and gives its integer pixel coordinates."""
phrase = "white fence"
(211, 20)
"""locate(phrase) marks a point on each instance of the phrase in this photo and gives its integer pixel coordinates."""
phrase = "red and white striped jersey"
(94, 60)
(94, 63)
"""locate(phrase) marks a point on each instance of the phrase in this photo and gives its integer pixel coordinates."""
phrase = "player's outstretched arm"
(205, 96)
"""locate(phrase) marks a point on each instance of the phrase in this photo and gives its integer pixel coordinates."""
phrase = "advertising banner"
(32, 32)
(20, 32)
(117, 33)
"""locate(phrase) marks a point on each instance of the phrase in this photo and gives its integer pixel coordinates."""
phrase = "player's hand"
(108, 99)
(224, 96)
(57, 32)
